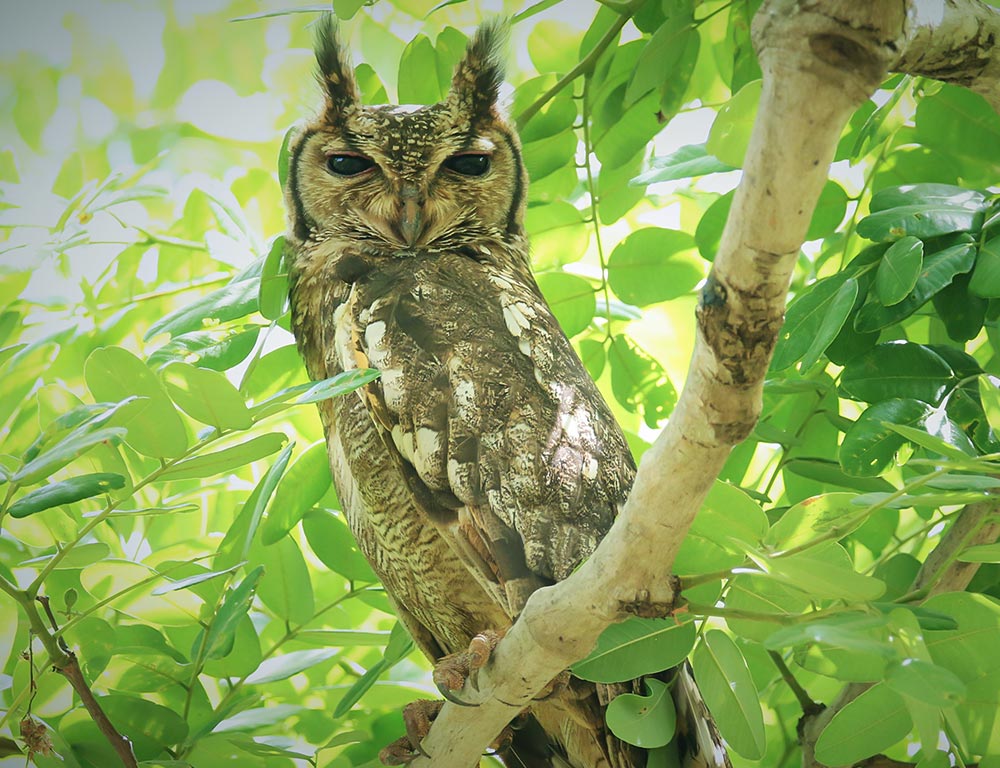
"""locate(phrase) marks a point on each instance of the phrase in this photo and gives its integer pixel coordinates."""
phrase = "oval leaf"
(654, 264)
(66, 492)
(899, 269)
(154, 426)
(207, 396)
(897, 370)
(637, 647)
(730, 693)
(871, 723)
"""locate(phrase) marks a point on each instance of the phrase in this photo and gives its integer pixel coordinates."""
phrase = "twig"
(585, 65)
(809, 707)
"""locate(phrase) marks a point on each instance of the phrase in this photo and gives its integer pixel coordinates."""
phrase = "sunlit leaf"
(645, 721)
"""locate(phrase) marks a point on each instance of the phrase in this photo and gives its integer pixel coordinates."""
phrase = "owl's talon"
(417, 717)
(453, 671)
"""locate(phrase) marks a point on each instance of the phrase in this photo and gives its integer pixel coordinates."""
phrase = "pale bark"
(821, 59)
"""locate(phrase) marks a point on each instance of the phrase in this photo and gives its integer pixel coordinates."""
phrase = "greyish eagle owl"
(483, 463)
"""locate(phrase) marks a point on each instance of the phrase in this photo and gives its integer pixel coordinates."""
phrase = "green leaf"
(396, 650)
(66, 492)
(728, 524)
(301, 487)
(343, 638)
(545, 156)
(645, 721)
(976, 135)
(816, 516)
(926, 682)
(825, 571)
(285, 588)
(219, 639)
(654, 264)
(558, 234)
(986, 275)
(552, 46)
(62, 453)
(729, 693)
(572, 300)
(982, 553)
(207, 396)
(288, 664)
(218, 351)
(829, 212)
(637, 647)
(708, 234)
(235, 300)
(639, 382)
(191, 581)
(154, 426)
(236, 544)
(927, 194)
(897, 370)
(284, 156)
(990, 396)
(687, 162)
(414, 85)
(850, 630)
(870, 446)
(923, 220)
(939, 270)
(557, 116)
(813, 321)
(144, 722)
(273, 297)
(332, 542)
(227, 459)
(313, 392)
(870, 724)
(899, 269)
(660, 58)
(962, 312)
(730, 133)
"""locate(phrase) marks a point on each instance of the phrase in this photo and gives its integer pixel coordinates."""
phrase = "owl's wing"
(496, 423)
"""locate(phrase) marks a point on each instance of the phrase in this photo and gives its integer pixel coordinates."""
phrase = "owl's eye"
(468, 163)
(348, 165)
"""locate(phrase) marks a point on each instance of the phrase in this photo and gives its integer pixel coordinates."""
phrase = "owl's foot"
(417, 717)
(452, 672)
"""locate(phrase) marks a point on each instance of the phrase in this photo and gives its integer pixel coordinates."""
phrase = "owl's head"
(403, 178)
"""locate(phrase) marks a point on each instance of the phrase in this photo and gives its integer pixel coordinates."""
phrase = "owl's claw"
(417, 717)
(452, 671)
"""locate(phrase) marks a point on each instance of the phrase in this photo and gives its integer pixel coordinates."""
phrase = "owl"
(483, 463)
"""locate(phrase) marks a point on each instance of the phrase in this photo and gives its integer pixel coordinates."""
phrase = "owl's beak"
(412, 221)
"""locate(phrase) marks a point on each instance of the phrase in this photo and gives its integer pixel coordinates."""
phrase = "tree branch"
(953, 41)
(816, 73)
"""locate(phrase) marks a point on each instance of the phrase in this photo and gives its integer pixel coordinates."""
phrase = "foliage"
(162, 486)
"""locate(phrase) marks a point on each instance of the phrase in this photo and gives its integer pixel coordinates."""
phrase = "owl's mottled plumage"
(483, 463)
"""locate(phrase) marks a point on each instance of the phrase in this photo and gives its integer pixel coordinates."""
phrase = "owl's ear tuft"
(336, 74)
(476, 84)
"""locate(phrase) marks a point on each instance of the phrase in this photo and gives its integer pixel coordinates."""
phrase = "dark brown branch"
(122, 746)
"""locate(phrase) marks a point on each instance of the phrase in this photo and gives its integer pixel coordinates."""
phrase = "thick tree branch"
(816, 73)
(953, 41)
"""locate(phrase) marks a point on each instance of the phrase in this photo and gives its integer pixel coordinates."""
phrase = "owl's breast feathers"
(494, 420)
